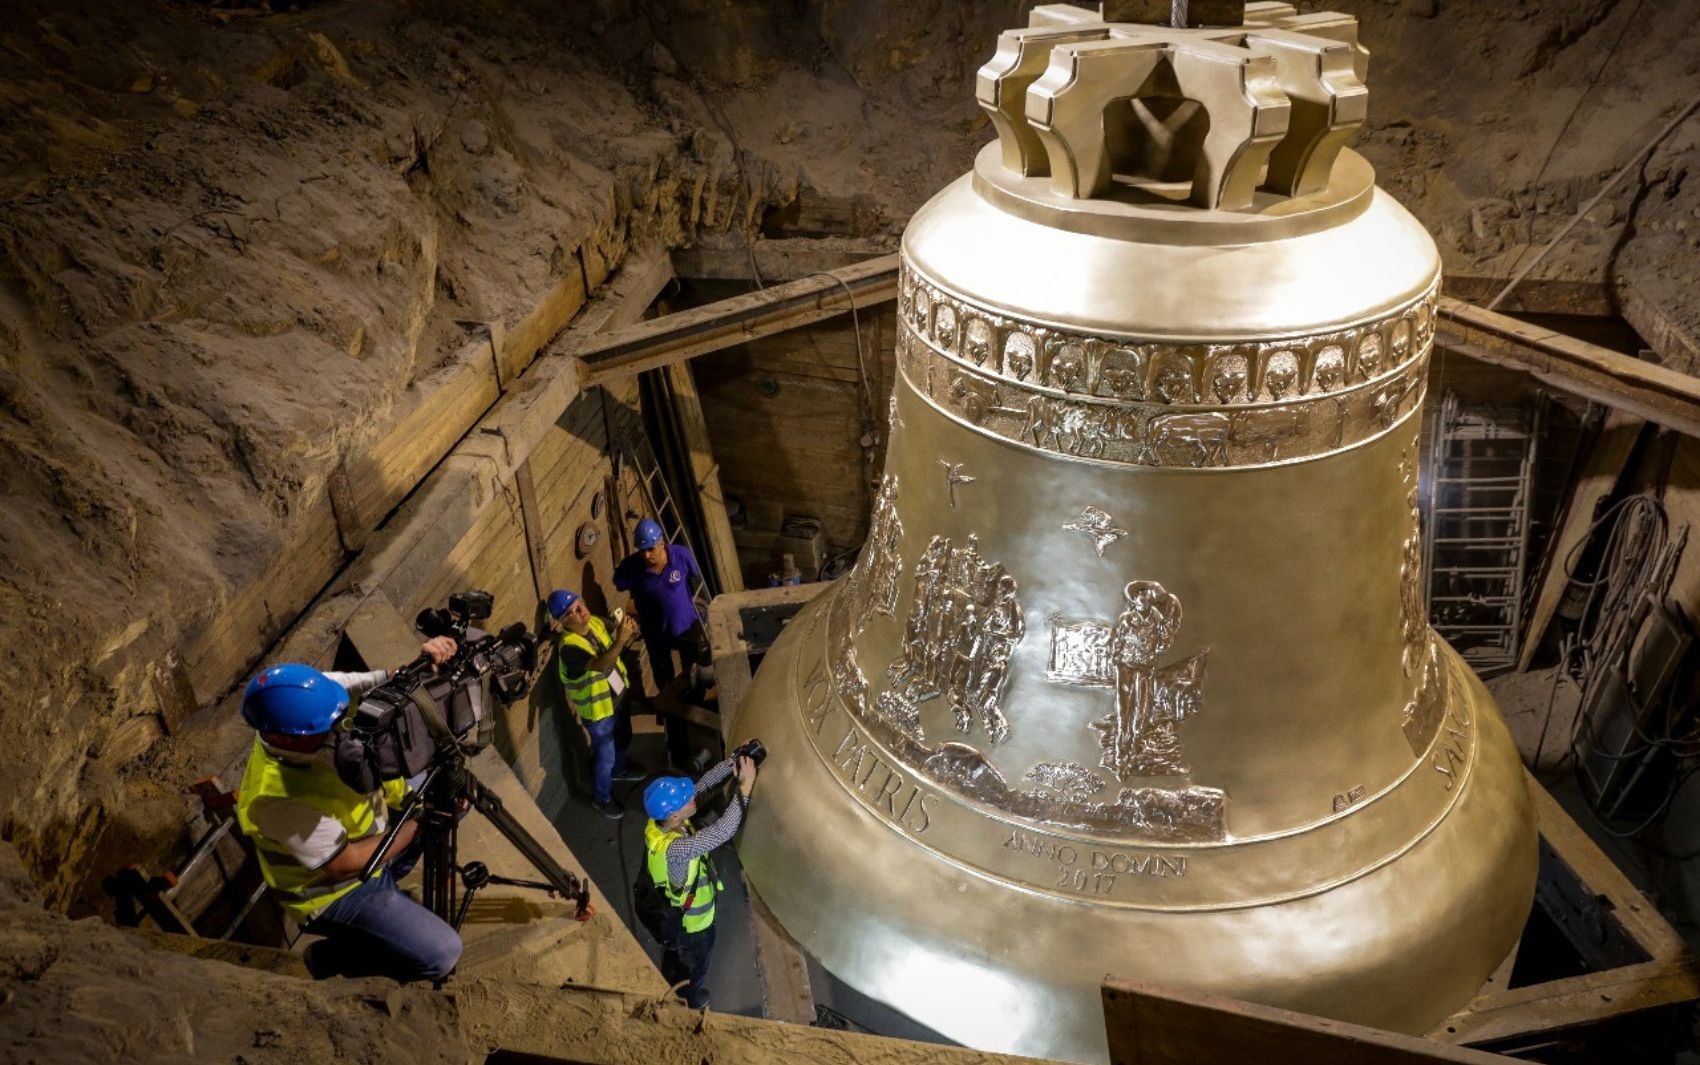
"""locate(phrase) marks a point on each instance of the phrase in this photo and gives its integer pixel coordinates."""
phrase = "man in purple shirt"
(658, 575)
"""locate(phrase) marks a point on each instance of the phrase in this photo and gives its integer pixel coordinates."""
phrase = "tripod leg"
(465, 904)
(439, 865)
(490, 805)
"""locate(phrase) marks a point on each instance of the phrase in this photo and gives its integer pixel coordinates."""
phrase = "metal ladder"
(1482, 470)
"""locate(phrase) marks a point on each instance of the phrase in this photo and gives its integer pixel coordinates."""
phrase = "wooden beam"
(526, 489)
(705, 476)
(626, 304)
(408, 551)
(1601, 472)
(784, 973)
(1152, 1025)
(731, 649)
(1542, 1010)
(776, 261)
(1631, 909)
(676, 337)
(517, 345)
(528, 411)
(1659, 395)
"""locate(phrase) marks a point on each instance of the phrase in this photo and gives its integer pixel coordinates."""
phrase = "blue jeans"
(609, 739)
(686, 962)
(375, 930)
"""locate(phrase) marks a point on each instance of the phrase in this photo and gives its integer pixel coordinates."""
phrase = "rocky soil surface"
(85, 992)
(231, 239)
(1495, 122)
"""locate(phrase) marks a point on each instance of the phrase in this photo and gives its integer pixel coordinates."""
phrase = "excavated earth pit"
(239, 248)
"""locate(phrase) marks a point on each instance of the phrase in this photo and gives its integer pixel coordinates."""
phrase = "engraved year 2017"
(1091, 870)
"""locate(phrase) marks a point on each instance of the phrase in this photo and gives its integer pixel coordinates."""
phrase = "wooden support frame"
(786, 994)
(673, 338)
(1644, 975)
(1646, 390)
(731, 647)
(1644, 969)
(1600, 475)
(705, 478)
(1152, 1025)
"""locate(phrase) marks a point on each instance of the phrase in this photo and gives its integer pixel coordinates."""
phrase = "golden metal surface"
(1133, 675)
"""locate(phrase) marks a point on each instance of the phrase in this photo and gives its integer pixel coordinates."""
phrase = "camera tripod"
(438, 803)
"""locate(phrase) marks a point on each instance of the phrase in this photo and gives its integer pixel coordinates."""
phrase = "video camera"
(507, 658)
(402, 724)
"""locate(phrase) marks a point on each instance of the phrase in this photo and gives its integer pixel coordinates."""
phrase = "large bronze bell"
(1133, 675)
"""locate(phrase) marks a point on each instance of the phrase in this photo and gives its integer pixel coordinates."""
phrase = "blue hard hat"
(294, 700)
(666, 796)
(648, 534)
(561, 601)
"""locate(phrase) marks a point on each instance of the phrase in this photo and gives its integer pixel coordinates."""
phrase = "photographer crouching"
(674, 895)
(314, 834)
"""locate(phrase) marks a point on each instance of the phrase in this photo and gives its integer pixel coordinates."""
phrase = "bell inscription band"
(1133, 674)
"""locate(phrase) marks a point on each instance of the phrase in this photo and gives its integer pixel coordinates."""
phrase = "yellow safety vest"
(590, 694)
(319, 787)
(697, 900)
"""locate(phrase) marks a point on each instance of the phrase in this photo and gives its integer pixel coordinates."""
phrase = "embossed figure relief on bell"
(1132, 675)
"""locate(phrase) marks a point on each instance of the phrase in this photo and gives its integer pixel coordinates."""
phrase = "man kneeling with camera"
(681, 882)
(314, 834)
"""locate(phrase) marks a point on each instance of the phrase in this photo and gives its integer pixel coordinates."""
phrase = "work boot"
(612, 810)
(629, 773)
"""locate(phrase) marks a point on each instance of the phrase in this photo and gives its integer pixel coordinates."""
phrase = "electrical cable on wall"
(1633, 576)
(856, 324)
(868, 407)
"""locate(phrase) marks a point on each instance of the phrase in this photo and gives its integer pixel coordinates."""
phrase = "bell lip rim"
(1350, 191)
(1524, 868)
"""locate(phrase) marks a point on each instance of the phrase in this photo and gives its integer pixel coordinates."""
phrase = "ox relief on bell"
(1133, 674)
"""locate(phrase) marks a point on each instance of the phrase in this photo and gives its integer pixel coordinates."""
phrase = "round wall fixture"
(586, 538)
(596, 502)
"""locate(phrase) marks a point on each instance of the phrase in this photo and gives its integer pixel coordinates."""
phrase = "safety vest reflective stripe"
(267, 777)
(590, 694)
(699, 888)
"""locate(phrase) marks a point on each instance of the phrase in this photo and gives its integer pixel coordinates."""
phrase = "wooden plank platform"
(1153, 1025)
